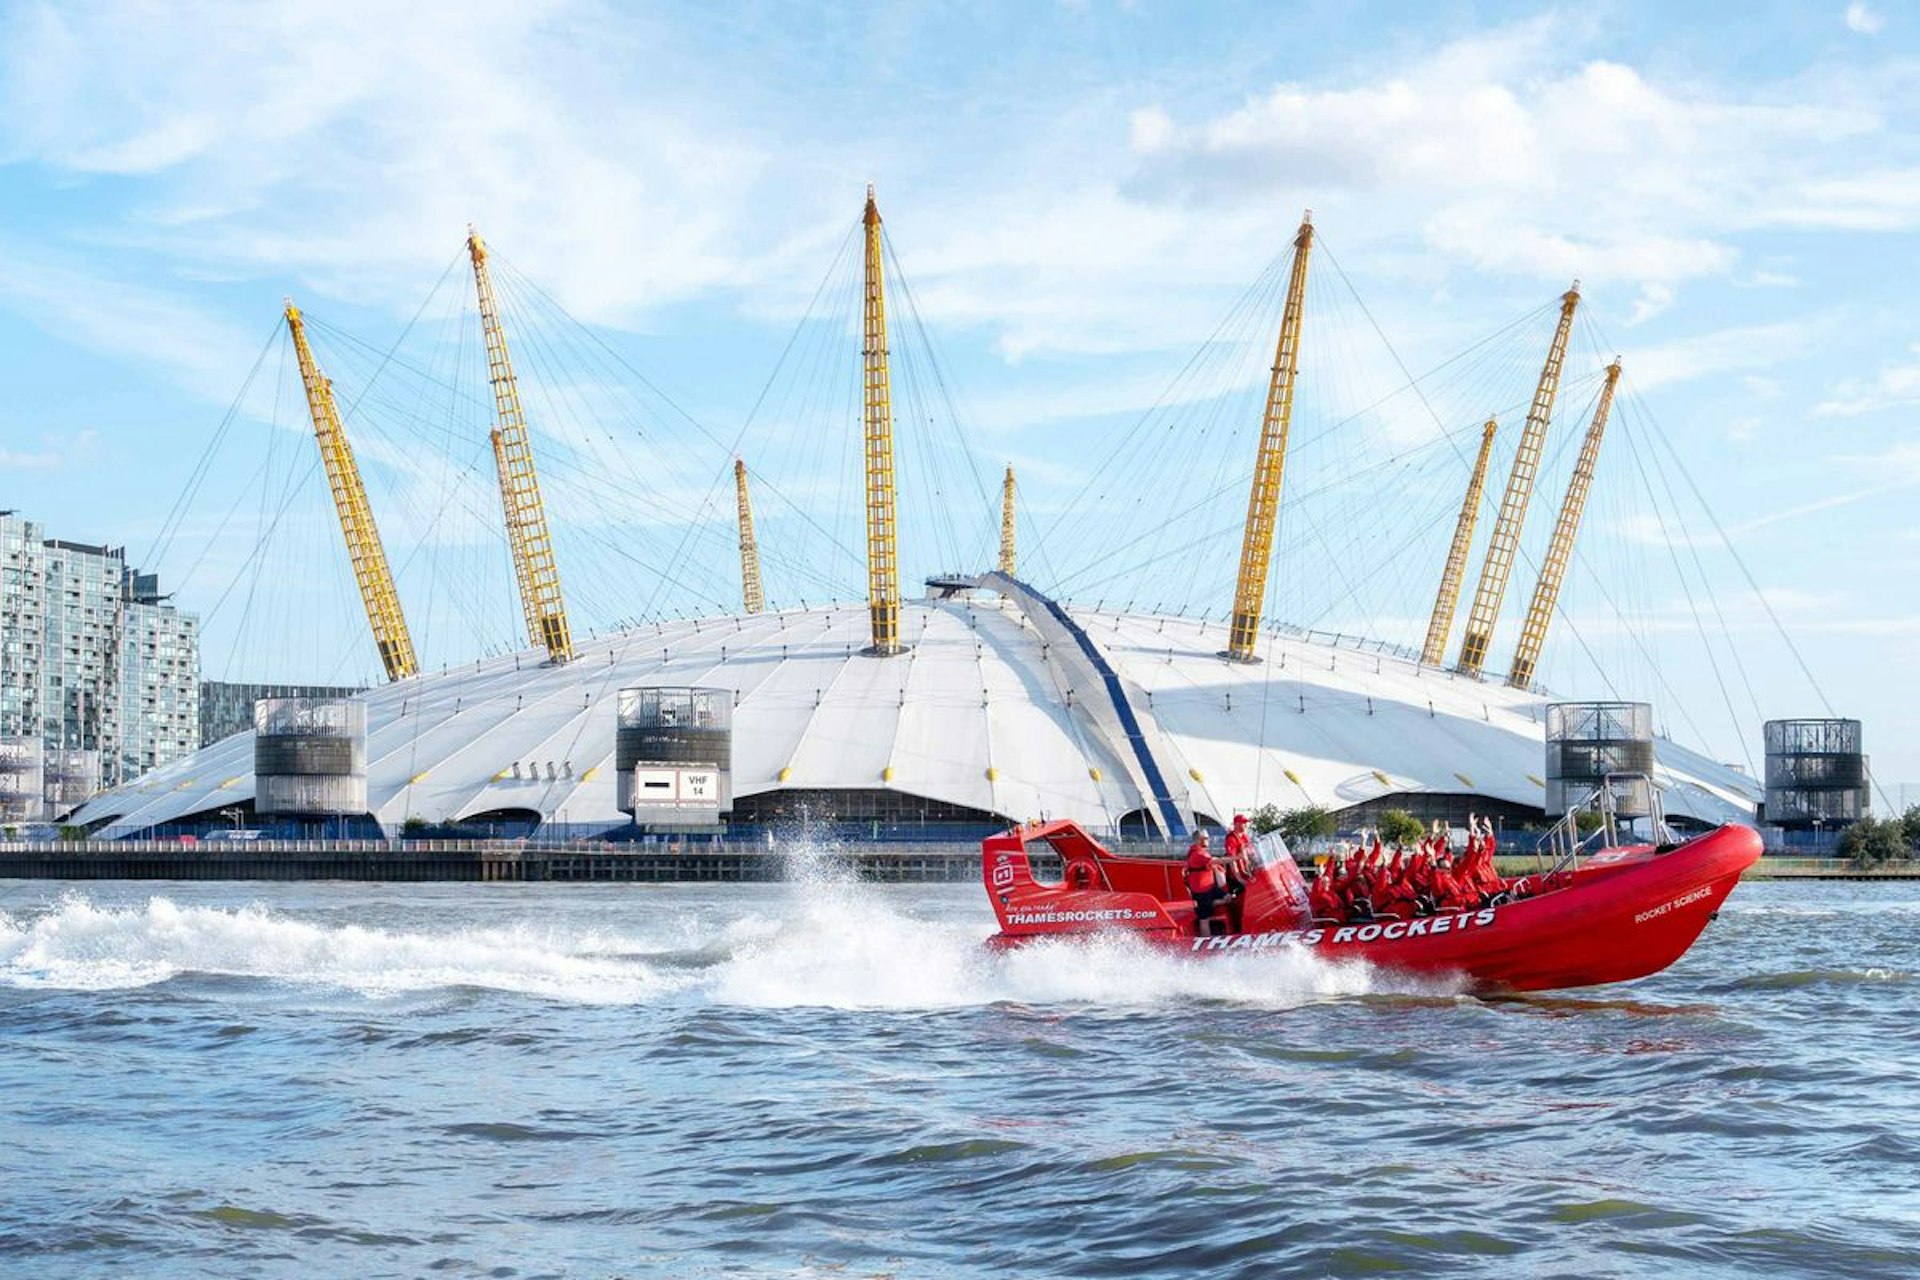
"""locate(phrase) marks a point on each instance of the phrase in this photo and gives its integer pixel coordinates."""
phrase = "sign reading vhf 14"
(677, 794)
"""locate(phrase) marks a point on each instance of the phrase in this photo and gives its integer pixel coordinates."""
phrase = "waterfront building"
(226, 706)
(997, 712)
(93, 657)
(982, 702)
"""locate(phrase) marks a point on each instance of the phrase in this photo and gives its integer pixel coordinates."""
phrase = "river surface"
(825, 1079)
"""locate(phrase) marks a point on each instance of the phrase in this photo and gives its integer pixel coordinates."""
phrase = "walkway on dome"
(1049, 616)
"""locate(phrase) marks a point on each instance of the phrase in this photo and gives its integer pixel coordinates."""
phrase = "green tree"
(1305, 824)
(1266, 818)
(1873, 841)
(1397, 826)
(1910, 827)
(1588, 821)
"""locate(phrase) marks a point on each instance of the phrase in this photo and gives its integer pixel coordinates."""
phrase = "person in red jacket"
(1323, 897)
(1206, 882)
(1461, 895)
(1486, 875)
(1238, 848)
(1420, 881)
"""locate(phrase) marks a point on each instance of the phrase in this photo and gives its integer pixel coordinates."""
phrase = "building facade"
(226, 707)
(92, 657)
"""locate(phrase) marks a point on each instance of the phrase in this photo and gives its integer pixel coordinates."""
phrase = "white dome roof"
(998, 706)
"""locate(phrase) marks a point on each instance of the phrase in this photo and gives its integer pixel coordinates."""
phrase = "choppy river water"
(818, 1079)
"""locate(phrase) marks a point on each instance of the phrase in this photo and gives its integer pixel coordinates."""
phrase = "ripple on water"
(498, 1131)
(775, 1081)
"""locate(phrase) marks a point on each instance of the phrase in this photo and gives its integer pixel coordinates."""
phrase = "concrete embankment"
(492, 861)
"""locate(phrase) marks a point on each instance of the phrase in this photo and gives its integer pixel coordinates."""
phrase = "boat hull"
(1620, 918)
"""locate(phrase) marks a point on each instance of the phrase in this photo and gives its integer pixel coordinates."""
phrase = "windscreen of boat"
(1269, 849)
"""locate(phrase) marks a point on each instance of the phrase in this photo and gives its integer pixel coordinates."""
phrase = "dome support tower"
(369, 558)
(531, 542)
(883, 568)
(751, 599)
(1263, 504)
(1546, 592)
(1434, 652)
(1007, 558)
(1513, 504)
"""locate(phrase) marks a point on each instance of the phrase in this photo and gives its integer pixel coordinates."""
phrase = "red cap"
(1239, 819)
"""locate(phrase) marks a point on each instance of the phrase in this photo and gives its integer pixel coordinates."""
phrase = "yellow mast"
(883, 572)
(368, 556)
(1263, 504)
(1435, 649)
(750, 596)
(527, 535)
(1513, 504)
(1546, 592)
(1006, 524)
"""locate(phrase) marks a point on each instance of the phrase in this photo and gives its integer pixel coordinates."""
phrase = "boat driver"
(1206, 881)
(1238, 848)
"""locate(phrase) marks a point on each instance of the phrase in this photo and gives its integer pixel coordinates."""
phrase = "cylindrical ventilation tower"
(1816, 773)
(673, 750)
(22, 779)
(72, 776)
(1586, 741)
(310, 757)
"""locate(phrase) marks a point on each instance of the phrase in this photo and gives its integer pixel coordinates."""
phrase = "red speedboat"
(1619, 914)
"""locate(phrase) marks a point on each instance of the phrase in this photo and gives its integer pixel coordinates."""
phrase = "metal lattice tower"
(1007, 558)
(1505, 543)
(883, 570)
(1263, 503)
(751, 599)
(369, 558)
(1434, 652)
(1546, 592)
(534, 567)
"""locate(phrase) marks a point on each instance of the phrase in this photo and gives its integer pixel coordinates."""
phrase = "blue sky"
(1078, 194)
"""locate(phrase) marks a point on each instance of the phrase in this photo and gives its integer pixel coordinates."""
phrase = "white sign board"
(676, 794)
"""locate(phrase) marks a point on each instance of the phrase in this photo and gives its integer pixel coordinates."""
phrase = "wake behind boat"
(1623, 912)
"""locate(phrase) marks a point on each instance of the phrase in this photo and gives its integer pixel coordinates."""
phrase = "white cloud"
(1829, 503)
(1893, 386)
(1867, 200)
(1863, 20)
(1736, 350)
(1528, 161)
(1897, 465)
(194, 347)
(344, 151)
(1654, 298)
(349, 146)
(54, 453)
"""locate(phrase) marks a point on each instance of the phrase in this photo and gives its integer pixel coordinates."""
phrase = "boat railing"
(1620, 798)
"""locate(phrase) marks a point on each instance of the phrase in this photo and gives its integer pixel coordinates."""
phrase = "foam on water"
(837, 945)
(80, 945)
(821, 941)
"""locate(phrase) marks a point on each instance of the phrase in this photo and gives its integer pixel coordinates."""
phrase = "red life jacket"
(1200, 870)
